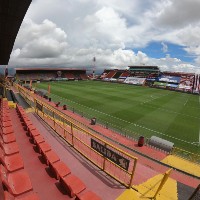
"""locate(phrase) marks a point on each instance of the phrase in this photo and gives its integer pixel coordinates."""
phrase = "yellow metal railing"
(162, 183)
(114, 161)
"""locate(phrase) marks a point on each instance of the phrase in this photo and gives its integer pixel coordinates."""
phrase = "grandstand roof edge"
(48, 69)
(179, 73)
(143, 66)
(115, 69)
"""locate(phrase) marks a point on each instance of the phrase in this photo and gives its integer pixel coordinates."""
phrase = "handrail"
(59, 117)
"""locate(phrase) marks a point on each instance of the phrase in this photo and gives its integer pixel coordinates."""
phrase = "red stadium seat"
(27, 122)
(44, 147)
(10, 148)
(16, 183)
(31, 127)
(6, 124)
(51, 157)
(7, 130)
(87, 196)
(31, 196)
(38, 139)
(8, 196)
(5, 112)
(60, 169)
(72, 184)
(8, 138)
(2, 154)
(22, 113)
(6, 118)
(34, 133)
(13, 162)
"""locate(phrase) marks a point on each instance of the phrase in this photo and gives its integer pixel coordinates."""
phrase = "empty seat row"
(72, 184)
(15, 179)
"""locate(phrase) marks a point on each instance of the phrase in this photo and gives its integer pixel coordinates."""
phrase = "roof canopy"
(48, 69)
(12, 13)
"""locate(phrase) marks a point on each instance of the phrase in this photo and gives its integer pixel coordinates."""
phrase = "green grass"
(134, 110)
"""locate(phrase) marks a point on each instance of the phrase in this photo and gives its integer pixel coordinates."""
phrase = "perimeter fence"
(180, 152)
(191, 151)
(112, 160)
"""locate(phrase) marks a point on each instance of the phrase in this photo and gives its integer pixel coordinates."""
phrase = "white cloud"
(39, 41)
(47, 45)
(179, 13)
(194, 50)
(69, 33)
(164, 47)
(174, 64)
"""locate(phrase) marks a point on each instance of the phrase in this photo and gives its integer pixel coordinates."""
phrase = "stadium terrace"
(115, 136)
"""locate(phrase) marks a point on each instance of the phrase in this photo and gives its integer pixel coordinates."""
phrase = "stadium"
(124, 134)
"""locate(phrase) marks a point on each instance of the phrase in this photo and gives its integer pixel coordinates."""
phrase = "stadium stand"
(144, 71)
(53, 162)
(15, 179)
(110, 74)
(104, 74)
(117, 74)
(70, 182)
(69, 76)
(151, 76)
(49, 74)
(196, 88)
(14, 186)
(114, 75)
(83, 76)
(186, 83)
(14, 176)
(125, 74)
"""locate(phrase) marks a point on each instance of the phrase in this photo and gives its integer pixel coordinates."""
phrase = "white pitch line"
(173, 112)
(137, 125)
(194, 107)
(186, 102)
(154, 98)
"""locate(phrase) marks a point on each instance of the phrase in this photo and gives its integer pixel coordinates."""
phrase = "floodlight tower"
(94, 63)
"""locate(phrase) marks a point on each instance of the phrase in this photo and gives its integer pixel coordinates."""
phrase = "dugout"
(161, 144)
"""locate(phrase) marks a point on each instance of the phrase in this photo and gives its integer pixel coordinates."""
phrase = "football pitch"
(134, 110)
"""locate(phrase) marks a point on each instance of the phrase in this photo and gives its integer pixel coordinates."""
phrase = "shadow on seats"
(61, 188)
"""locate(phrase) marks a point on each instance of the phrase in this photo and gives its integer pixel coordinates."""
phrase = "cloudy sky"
(119, 33)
